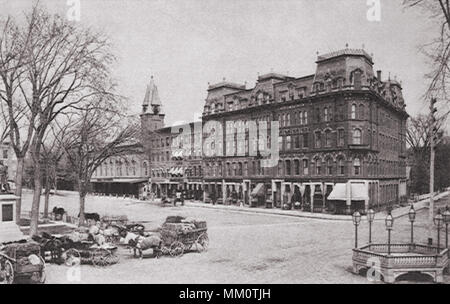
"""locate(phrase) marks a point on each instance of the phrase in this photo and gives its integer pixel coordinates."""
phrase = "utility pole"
(433, 131)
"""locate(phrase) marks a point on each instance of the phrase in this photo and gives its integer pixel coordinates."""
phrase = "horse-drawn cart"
(178, 238)
(87, 252)
(21, 260)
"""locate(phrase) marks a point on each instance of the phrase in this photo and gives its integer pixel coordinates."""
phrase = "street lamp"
(356, 220)
(412, 218)
(438, 220)
(389, 222)
(446, 221)
(370, 218)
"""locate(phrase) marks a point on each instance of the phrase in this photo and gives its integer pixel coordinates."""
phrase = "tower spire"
(151, 98)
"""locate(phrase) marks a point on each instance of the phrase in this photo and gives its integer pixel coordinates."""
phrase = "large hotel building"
(340, 139)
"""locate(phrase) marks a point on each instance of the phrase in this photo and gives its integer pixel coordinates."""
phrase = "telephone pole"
(433, 131)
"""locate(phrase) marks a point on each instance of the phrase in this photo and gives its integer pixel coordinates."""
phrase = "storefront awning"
(339, 193)
(258, 190)
(122, 181)
(359, 192)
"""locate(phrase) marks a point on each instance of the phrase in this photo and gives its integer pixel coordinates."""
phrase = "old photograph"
(224, 142)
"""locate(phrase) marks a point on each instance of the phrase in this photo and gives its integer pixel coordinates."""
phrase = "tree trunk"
(36, 199)
(47, 195)
(18, 191)
(82, 206)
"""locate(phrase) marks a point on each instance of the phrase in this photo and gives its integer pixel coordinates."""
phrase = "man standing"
(213, 197)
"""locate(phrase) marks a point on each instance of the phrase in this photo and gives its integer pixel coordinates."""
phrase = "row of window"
(321, 115)
(192, 171)
(284, 168)
(116, 169)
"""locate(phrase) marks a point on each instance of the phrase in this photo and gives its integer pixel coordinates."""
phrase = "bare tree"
(100, 131)
(52, 153)
(12, 62)
(60, 66)
(419, 132)
(438, 49)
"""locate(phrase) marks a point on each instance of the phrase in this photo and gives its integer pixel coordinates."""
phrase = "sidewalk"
(396, 213)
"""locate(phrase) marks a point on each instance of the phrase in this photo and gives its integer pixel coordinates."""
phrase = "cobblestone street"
(244, 247)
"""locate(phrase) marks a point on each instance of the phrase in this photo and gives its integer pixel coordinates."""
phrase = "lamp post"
(446, 221)
(412, 218)
(389, 222)
(370, 218)
(356, 220)
(438, 220)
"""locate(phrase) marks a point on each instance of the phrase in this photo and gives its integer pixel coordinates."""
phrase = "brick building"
(339, 140)
(341, 137)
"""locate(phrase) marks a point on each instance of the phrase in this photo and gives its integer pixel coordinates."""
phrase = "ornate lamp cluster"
(439, 220)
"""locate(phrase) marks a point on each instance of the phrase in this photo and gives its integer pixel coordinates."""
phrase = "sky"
(186, 44)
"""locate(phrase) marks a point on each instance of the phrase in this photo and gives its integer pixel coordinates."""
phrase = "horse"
(141, 243)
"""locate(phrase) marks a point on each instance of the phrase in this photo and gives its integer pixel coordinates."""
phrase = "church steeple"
(152, 117)
(151, 98)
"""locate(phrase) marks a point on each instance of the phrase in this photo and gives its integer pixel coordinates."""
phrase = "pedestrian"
(234, 196)
(177, 197)
(213, 197)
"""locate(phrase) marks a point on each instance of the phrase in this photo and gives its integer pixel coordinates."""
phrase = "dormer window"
(260, 98)
(317, 87)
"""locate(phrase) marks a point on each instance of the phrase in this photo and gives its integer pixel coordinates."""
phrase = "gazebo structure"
(394, 260)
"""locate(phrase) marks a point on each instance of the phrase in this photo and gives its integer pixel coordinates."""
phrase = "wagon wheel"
(112, 258)
(72, 257)
(100, 257)
(8, 272)
(176, 249)
(203, 241)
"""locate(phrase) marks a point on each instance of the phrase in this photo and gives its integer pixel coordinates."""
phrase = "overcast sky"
(187, 43)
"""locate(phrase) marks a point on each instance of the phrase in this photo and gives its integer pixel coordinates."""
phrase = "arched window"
(288, 142)
(317, 139)
(296, 167)
(305, 167)
(133, 167)
(357, 137)
(357, 166)
(353, 114)
(280, 168)
(328, 138)
(145, 168)
(361, 111)
(341, 167)
(288, 167)
(318, 166)
(329, 166)
(325, 114)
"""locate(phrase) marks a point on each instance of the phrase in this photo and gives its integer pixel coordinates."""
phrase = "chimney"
(379, 75)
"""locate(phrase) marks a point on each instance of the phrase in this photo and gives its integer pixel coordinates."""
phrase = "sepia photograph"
(241, 142)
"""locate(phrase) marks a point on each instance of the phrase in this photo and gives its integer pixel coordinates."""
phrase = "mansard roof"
(344, 52)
